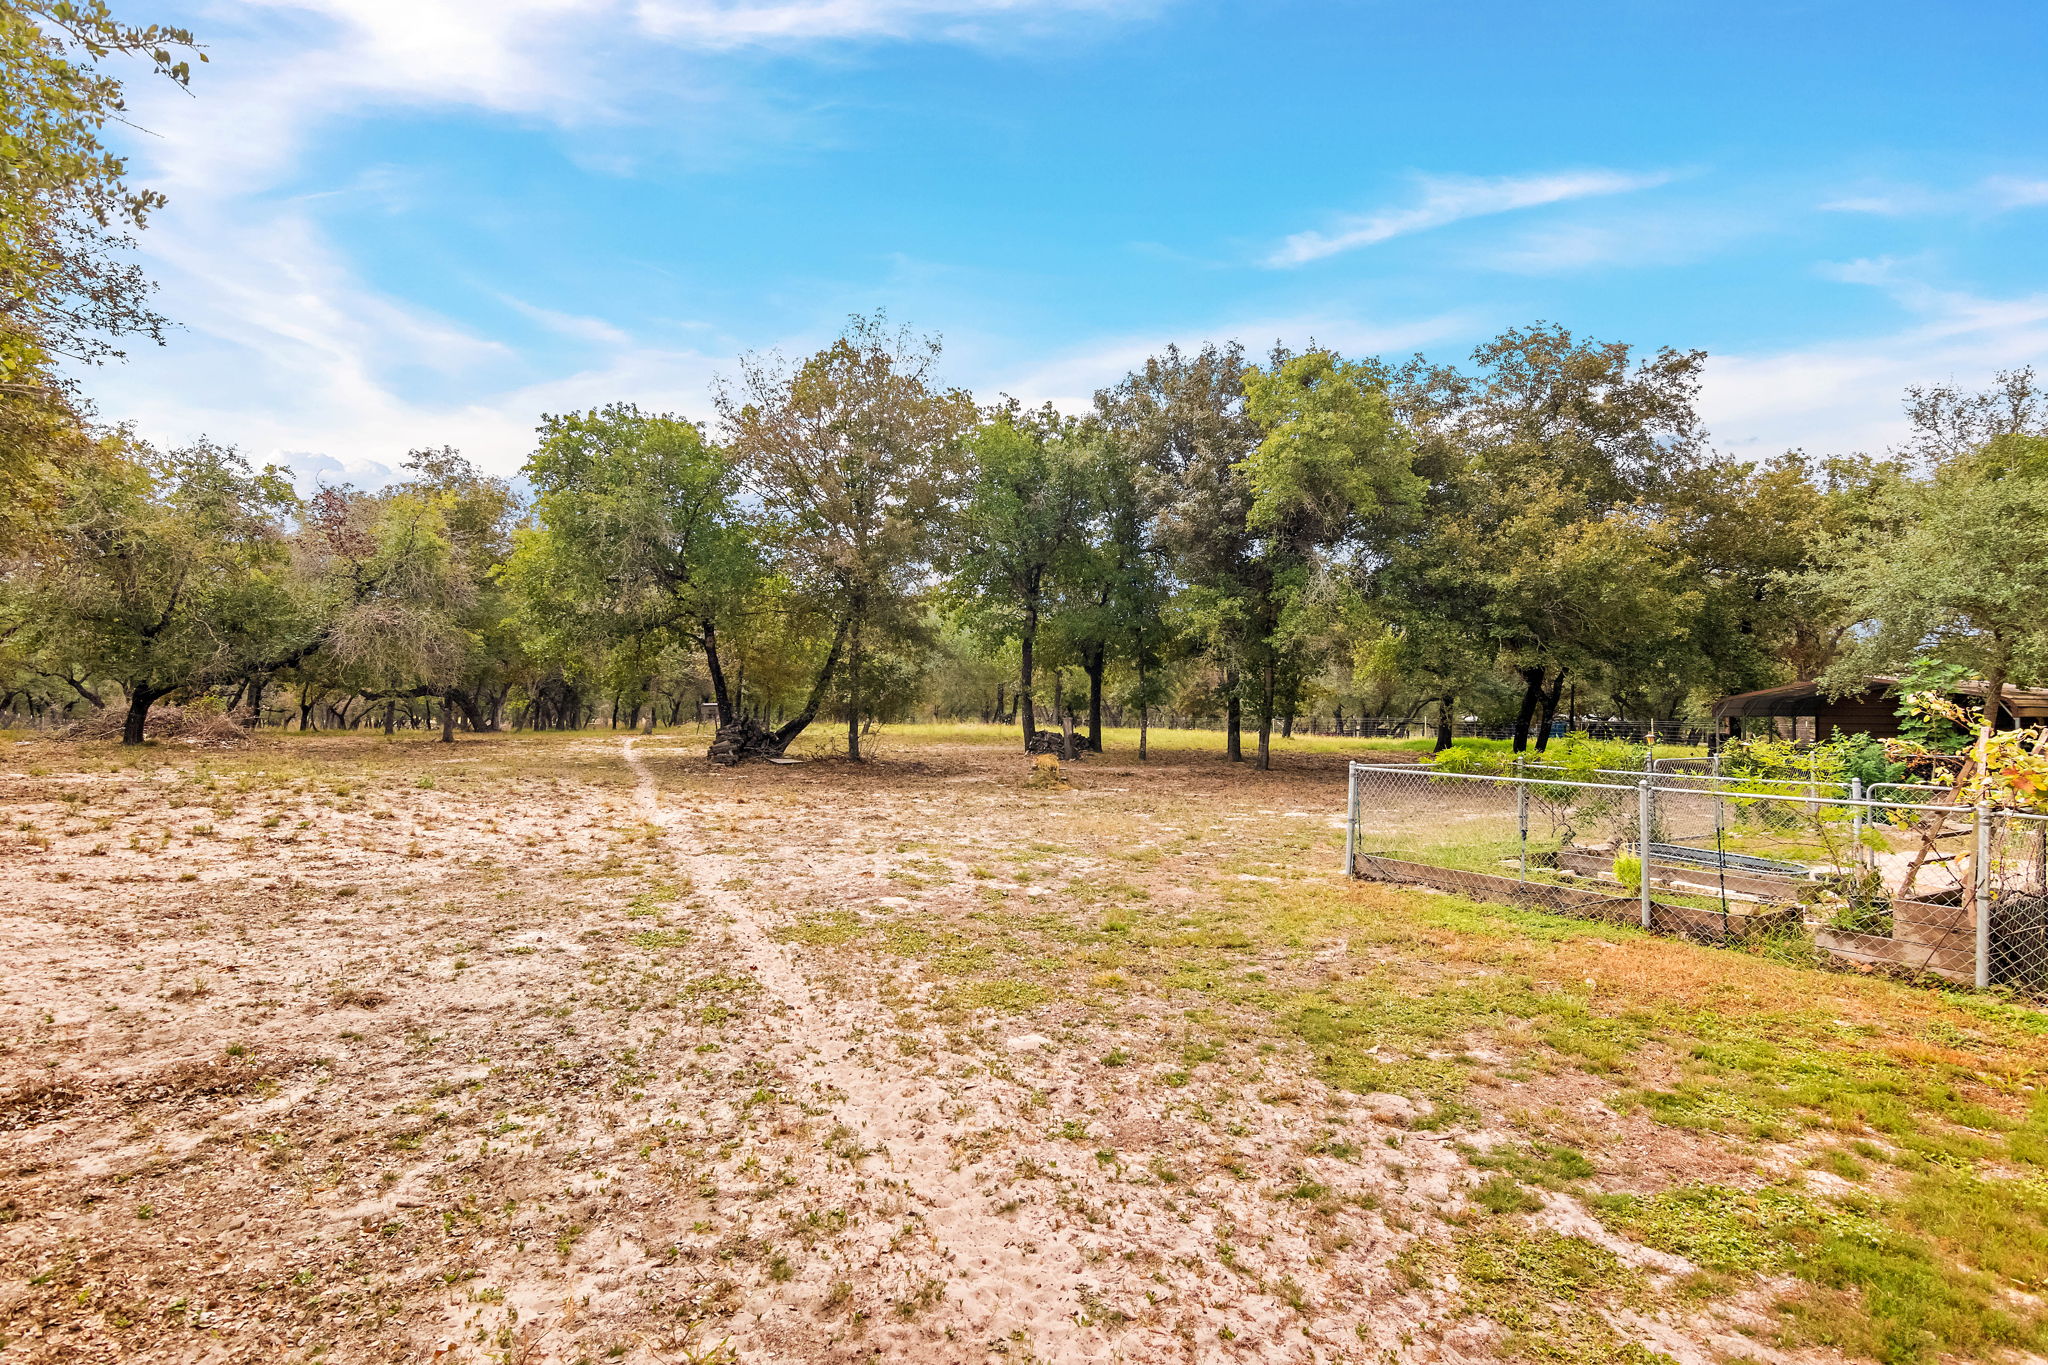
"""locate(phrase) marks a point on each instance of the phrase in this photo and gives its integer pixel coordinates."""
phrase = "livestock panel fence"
(1897, 878)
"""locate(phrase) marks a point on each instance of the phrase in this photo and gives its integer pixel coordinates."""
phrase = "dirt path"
(1005, 1277)
(911, 1122)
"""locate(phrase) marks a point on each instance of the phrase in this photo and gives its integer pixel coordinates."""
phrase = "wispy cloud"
(1992, 194)
(1450, 199)
(1068, 380)
(287, 349)
(2016, 192)
(737, 23)
(1654, 234)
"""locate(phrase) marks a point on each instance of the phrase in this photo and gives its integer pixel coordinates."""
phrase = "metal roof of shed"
(1805, 699)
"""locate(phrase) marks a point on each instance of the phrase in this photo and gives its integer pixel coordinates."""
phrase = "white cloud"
(1658, 237)
(283, 67)
(1069, 380)
(595, 331)
(1992, 194)
(735, 23)
(286, 350)
(1450, 199)
(2015, 192)
(1843, 396)
(1883, 204)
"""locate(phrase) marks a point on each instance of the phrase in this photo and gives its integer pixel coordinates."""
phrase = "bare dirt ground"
(576, 1049)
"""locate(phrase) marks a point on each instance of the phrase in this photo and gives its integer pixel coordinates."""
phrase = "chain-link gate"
(2016, 863)
(1892, 883)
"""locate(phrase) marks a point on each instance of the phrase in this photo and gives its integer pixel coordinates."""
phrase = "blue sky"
(397, 223)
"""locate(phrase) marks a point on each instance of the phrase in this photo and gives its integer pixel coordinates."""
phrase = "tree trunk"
(853, 694)
(1027, 666)
(1549, 711)
(447, 718)
(1095, 664)
(135, 728)
(1144, 710)
(1994, 702)
(1063, 715)
(467, 705)
(1443, 721)
(717, 670)
(797, 723)
(1233, 719)
(1266, 715)
(1532, 697)
(390, 717)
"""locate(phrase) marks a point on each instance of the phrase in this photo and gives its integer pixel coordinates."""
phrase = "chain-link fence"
(1895, 884)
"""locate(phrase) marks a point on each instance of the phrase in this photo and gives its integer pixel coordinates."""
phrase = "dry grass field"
(576, 1049)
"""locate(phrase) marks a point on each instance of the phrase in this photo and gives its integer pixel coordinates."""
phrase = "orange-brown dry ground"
(574, 1048)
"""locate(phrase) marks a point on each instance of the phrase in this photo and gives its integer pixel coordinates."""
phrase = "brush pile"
(201, 729)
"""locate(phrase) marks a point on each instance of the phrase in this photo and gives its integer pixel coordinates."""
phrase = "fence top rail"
(1711, 777)
(1511, 779)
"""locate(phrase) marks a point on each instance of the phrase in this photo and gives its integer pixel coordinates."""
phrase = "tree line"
(1222, 536)
(1219, 537)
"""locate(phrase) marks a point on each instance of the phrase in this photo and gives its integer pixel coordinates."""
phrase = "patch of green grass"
(1999, 1225)
(1553, 1168)
(1878, 1289)
(824, 930)
(1502, 1194)
(1544, 1291)
(996, 995)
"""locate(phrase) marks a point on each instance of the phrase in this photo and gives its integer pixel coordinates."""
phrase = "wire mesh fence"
(1907, 884)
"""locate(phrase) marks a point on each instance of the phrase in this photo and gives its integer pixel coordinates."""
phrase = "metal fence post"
(1643, 844)
(1351, 826)
(1980, 878)
(1522, 813)
(1856, 818)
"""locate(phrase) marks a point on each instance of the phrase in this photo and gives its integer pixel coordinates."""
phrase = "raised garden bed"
(1704, 876)
(1940, 937)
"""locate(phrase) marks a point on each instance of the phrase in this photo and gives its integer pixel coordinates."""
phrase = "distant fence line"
(1381, 727)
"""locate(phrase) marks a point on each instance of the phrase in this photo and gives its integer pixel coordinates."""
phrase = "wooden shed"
(1801, 711)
